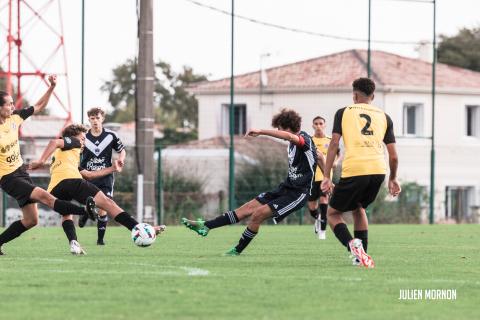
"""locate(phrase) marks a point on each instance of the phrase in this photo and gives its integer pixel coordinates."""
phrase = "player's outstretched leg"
(196, 225)
(63, 207)
(258, 216)
(203, 227)
(117, 213)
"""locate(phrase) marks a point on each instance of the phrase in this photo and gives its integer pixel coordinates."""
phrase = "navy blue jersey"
(302, 162)
(97, 153)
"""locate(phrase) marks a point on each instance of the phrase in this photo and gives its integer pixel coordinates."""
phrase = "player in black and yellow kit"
(67, 181)
(15, 180)
(321, 141)
(365, 130)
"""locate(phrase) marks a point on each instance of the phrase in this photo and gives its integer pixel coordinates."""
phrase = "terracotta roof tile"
(340, 69)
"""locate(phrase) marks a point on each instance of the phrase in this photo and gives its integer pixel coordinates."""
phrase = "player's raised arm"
(52, 145)
(43, 101)
(280, 134)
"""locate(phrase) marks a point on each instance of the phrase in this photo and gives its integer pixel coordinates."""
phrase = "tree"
(174, 106)
(462, 49)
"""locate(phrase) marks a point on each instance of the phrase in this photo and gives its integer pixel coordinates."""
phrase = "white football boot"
(356, 249)
(76, 248)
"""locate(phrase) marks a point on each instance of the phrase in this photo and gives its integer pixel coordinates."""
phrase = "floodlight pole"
(144, 140)
(231, 181)
(369, 51)
(83, 59)
(432, 151)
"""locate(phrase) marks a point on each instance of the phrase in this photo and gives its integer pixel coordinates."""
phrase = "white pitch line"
(195, 271)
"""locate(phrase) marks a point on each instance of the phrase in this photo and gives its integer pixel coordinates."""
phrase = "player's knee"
(68, 217)
(312, 205)
(30, 222)
(257, 217)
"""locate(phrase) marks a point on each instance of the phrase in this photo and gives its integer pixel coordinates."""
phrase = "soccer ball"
(143, 235)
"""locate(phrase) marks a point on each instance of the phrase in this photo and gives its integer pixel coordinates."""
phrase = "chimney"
(425, 51)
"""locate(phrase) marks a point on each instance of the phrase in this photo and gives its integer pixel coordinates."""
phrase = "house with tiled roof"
(321, 85)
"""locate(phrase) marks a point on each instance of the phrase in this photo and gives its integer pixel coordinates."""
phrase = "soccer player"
(365, 130)
(289, 196)
(14, 179)
(321, 141)
(67, 181)
(97, 155)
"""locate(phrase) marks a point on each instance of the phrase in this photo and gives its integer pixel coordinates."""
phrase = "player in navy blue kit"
(289, 196)
(97, 155)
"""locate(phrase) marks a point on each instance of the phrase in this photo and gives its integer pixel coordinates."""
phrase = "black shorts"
(354, 192)
(18, 185)
(74, 189)
(316, 192)
(283, 201)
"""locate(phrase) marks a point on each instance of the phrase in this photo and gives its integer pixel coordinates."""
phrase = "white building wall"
(455, 152)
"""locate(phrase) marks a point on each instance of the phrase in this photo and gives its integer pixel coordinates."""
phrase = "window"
(413, 119)
(459, 202)
(240, 126)
(472, 121)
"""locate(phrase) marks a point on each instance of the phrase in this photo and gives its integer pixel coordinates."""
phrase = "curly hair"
(364, 85)
(287, 119)
(95, 111)
(73, 130)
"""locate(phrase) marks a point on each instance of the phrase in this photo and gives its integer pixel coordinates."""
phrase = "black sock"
(323, 216)
(229, 217)
(65, 208)
(247, 236)
(342, 234)
(101, 226)
(314, 213)
(126, 220)
(362, 235)
(13, 231)
(69, 229)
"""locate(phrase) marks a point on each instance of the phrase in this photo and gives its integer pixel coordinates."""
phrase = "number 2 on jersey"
(365, 130)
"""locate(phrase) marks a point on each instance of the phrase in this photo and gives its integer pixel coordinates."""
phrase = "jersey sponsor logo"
(95, 164)
(5, 149)
(13, 158)
(97, 150)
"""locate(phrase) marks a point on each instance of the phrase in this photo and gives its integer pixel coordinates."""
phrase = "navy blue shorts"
(105, 184)
(283, 201)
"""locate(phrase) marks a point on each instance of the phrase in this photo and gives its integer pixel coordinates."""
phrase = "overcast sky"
(188, 34)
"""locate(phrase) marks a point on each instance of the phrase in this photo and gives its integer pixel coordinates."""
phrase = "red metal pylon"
(34, 48)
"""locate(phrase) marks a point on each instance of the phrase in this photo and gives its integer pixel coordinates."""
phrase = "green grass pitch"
(285, 273)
